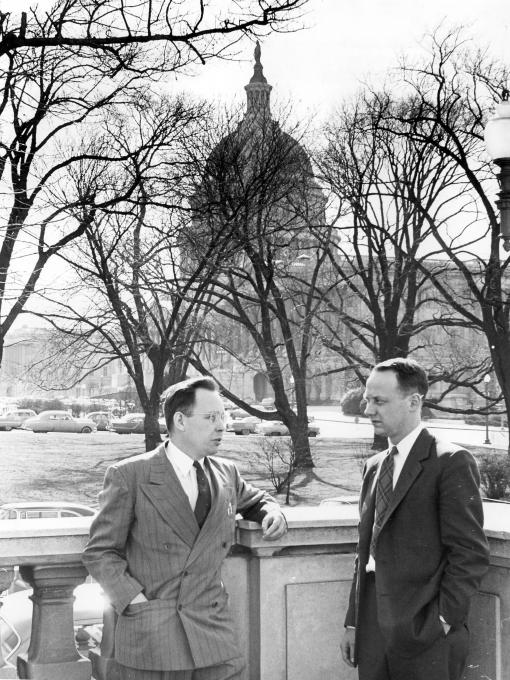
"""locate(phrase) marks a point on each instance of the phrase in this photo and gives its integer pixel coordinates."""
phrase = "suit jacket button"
(179, 607)
(214, 604)
(224, 544)
(166, 546)
(185, 572)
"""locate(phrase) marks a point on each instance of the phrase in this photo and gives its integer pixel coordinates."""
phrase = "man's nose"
(368, 408)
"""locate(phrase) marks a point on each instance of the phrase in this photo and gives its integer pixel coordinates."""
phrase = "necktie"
(203, 504)
(383, 494)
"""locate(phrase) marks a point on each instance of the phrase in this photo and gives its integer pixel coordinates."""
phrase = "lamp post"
(497, 140)
(486, 381)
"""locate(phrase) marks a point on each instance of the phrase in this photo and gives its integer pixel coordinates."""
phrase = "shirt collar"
(407, 443)
(179, 459)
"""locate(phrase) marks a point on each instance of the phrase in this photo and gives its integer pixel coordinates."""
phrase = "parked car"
(44, 510)
(276, 428)
(133, 423)
(101, 419)
(16, 620)
(237, 413)
(245, 425)
(59, 421)
(15, 418)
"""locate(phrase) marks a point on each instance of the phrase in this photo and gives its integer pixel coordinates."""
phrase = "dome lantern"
(258, 90)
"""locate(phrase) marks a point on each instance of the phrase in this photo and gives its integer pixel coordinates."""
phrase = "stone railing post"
(6, 577)
(104, 666)
(52, 654)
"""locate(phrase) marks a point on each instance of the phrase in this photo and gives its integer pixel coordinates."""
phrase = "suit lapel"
(165, 492)
(411, 470)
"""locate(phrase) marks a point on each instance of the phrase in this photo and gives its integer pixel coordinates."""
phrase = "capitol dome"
(258, 181)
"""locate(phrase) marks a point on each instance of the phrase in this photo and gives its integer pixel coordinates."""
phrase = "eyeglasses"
(213, 416)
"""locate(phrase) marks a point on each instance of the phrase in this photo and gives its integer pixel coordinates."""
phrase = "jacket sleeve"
(350, 616)
(104, 555)
(252, 503)
(461, 525)
(366, 476)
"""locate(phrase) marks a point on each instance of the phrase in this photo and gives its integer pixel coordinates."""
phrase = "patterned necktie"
(383, 494)
(203, 504)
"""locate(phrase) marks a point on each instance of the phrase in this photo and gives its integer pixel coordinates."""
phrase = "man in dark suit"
(422, 551)
(166, 523)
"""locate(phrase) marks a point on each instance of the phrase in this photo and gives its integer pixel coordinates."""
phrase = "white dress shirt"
(404, 447)
(186, 473)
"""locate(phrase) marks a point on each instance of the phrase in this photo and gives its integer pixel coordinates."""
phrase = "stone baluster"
(6, 668)
(104, 666)
(52, 654)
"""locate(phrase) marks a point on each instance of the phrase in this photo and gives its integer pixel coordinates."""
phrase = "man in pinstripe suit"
(156, 546)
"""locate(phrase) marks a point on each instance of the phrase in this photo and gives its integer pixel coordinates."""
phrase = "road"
(334, 424)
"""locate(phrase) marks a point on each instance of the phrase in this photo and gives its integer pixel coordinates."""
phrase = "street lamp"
(497, 140)
(486, 381)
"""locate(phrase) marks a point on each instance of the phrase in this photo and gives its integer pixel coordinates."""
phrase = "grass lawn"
(71, 467)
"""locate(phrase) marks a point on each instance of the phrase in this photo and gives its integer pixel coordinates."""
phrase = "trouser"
(443, 660)
(228, 670)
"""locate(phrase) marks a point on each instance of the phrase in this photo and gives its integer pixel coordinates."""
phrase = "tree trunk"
(301, 443)
(152, 434)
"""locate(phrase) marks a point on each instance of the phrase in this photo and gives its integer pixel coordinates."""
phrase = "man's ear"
(178, 421)
(415, 401)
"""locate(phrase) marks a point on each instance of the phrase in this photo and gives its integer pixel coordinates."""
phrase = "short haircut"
(411, 377)
(181, 396)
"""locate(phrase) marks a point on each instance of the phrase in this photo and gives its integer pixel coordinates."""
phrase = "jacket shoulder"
(444, 447)
(136, 462)
(223, 464)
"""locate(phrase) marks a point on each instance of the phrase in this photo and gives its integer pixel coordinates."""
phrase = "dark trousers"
(229, 670)
(443, 660)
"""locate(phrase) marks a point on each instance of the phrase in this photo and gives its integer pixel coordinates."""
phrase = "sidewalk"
(334, 424)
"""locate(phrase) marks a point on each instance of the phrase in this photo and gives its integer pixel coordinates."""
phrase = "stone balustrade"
(289, 597)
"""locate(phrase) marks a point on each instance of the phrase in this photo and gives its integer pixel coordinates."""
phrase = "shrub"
(495, 474)
(495, 419)
(352, 403)
(278, 457)
(39, 405)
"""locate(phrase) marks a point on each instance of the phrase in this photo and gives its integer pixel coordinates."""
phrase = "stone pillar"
(6, 577)
(104, 666)
(52, 654)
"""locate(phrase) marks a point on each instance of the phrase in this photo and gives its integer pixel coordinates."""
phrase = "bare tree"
(49, 100)
(258, 182)
(58, 69)
(138, 301)
(452, 94)
(277, 458)
(148, 37)
(393, 195)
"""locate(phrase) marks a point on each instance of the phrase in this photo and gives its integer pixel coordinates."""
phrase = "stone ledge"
(59, 540)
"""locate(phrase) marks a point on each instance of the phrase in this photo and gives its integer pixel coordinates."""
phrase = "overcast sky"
(351, 41)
